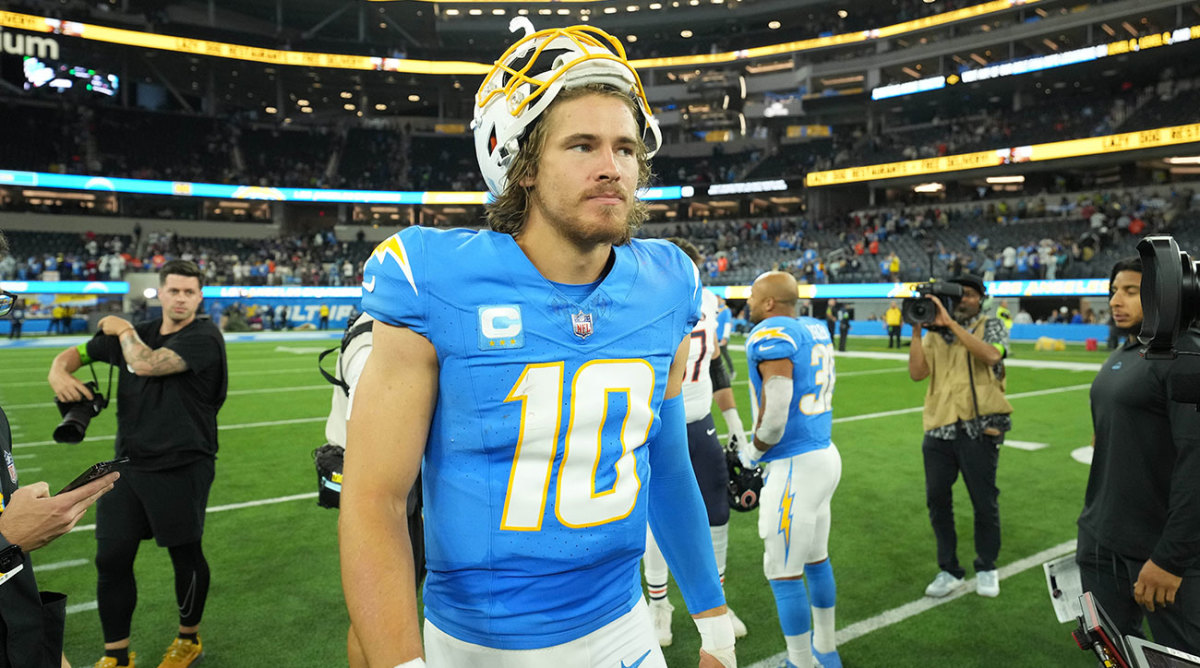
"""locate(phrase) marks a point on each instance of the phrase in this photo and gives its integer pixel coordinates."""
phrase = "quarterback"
(532, 373)
(791, 378)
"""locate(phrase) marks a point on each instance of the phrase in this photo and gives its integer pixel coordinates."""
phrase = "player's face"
(587, 175)
(1126, 299)
(180, 297)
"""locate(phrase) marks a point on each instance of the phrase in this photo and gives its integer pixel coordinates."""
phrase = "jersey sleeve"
(393, 284)
(772, 343)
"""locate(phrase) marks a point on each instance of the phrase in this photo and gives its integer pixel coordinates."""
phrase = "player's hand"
(716, 638)
(726, 660)
(1155, 586)
(113, 325)
(748, 454)
(33, 518)
(67, 388)
(943, 318)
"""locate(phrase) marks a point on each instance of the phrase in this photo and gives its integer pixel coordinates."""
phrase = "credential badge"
(582, 324)
(12, 467)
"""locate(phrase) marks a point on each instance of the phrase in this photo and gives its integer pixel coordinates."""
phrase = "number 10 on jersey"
(578, 503)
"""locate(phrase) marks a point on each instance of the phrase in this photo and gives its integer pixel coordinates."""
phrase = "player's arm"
(394, 403)
(776, 401)
(141, 358)
(680, 523)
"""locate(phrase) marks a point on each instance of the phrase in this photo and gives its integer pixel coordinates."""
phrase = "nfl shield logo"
(582, 323)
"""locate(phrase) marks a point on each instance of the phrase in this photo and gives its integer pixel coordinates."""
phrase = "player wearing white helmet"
(536, 386)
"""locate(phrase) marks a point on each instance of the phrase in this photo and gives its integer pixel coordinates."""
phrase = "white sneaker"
(987, 583)
(739, 627)
(943, 585)
(660, 613)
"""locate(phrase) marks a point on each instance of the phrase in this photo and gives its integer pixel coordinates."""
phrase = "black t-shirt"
(169, 421)
(1143, 492)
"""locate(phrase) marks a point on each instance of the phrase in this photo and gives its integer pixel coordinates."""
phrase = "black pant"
(842, 338)
(1110, 578)
(977, 460)
(893, 336)
(14, 331)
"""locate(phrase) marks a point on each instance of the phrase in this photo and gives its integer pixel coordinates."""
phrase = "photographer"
(173, 378)
(965, 418)
(31, 622)
(1140, 521)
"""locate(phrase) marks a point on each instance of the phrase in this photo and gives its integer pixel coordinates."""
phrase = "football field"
(276, 595)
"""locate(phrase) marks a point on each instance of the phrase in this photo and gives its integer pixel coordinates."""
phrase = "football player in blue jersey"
(792, 378)
(532, 373)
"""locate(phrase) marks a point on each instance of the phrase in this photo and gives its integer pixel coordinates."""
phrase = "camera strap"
(108, 388)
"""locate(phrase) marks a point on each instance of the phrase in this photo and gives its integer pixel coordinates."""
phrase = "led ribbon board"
(1071, 148)
(202, 47)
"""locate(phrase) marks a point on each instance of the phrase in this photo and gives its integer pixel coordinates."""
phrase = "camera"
(1170, 295)
(920, 310)
(77, 414)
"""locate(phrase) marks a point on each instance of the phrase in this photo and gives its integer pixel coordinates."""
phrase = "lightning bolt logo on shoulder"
(393, 247)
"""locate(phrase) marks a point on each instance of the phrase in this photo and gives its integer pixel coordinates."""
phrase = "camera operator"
(965, 418)
(1140, 521)
(31, 622)
(173, 378)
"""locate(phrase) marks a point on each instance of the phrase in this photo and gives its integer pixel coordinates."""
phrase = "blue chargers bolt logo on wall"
(500, 327)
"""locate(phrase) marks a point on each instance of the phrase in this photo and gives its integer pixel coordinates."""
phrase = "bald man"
(791, 378)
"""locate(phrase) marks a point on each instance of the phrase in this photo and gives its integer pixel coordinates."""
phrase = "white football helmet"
(528, 76)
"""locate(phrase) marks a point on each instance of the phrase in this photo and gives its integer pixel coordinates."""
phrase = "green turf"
(276, 597)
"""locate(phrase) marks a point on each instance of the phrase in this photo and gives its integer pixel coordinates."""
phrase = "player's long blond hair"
(510, 210)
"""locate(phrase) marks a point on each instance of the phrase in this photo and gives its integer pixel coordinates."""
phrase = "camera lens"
(74, 424)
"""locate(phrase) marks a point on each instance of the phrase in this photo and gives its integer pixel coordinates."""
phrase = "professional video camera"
(77, 414)
(921, 310)
(1170, 304)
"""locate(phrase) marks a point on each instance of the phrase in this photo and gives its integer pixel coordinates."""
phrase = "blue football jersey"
(535, 467)
(805, 341)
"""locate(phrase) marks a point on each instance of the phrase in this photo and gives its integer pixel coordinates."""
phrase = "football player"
(792, 378)
(532, 372)
(707, 455)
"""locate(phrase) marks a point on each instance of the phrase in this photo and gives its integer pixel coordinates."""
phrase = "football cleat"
(529, 75)
(111, 662)
(745, 483)
(739, 627)
(182, 653)
(660, 614)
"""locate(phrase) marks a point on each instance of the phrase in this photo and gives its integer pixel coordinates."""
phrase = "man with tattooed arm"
(173, 379)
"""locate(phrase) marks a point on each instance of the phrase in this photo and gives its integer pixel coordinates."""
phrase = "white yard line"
(914, 608)
(70, 563)
(230, 506)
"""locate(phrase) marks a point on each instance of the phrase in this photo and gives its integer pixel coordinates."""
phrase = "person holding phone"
(31, 622)
(173, 379)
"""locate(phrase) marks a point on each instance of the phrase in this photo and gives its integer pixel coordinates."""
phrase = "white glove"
(716, 638)
(748, 453)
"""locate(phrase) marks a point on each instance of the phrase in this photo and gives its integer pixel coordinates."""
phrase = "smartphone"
(98, 470)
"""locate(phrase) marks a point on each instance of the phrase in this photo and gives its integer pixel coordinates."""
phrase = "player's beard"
(584, 223)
